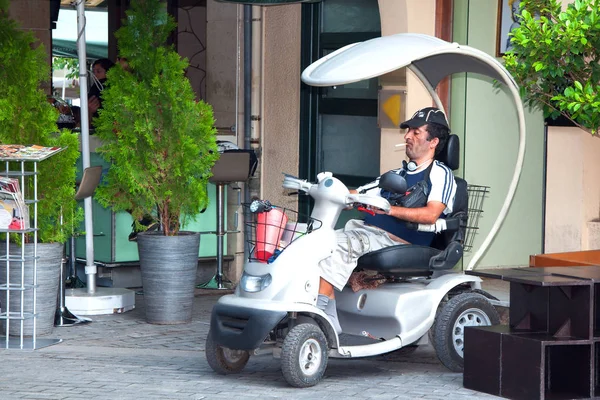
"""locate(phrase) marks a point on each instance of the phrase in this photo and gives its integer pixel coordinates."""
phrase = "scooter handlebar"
(369, 200)
(291, 182)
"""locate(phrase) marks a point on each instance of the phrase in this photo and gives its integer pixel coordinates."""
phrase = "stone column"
(34, 16)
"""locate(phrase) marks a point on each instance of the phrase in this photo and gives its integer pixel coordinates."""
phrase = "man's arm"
(441, 197)
(421, 215)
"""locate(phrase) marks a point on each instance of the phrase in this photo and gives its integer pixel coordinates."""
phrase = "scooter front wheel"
(304, 355)
(224, 360)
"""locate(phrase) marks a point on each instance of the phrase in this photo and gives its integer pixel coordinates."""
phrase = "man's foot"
(329, 308)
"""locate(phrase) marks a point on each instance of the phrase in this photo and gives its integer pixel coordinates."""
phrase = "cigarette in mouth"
(400, 145)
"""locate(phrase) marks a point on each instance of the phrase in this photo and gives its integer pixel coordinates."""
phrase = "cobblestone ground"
(123, 357)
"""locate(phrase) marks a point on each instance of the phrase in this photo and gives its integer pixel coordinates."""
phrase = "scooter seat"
(403, 259)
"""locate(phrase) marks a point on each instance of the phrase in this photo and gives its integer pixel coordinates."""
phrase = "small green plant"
(160, 141)
(26, 117)
(71, 65)
(555, 58)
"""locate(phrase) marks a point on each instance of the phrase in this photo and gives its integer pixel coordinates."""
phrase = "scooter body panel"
(406, 310)
(294, 273)
(244, 324)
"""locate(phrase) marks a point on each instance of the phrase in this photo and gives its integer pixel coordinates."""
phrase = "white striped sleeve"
(443, 186)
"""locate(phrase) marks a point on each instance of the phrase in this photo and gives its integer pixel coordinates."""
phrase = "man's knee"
(326, 288)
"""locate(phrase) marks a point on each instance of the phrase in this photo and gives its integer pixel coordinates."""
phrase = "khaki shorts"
(355, 240)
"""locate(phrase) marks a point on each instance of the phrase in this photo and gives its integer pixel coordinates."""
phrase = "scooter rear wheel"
(224, 360)
(304, 355)
(447, 333)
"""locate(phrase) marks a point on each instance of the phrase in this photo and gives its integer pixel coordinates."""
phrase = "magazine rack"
(24, 287)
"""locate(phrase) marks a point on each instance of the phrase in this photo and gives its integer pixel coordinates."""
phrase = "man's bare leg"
(326, 302)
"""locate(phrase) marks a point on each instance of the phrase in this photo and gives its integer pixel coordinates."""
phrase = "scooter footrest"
(356, 340)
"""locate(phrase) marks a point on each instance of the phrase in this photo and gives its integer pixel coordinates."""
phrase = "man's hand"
(380, 211)
(93, 104)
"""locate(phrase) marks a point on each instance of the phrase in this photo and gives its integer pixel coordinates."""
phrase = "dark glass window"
(339, 131)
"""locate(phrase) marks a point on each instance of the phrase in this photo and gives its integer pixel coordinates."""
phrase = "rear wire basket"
(477, 194)
(270, 234)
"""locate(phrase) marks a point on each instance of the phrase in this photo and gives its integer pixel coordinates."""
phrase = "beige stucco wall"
(398, 17)
(572, 190)
(275, 98)
(221, 65)
(223, 45)
(280, 114)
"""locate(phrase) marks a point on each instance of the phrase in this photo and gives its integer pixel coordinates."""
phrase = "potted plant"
(27, 118)
(554, 59)
(162, 145)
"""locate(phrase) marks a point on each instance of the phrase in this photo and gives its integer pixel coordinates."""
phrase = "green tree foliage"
(555, 59)
(26, 117)
(160, 140)
(71, 65)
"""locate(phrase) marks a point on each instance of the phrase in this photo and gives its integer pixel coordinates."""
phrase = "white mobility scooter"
(274, 307)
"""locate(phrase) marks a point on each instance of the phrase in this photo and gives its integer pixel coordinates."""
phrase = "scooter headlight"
(253, 284)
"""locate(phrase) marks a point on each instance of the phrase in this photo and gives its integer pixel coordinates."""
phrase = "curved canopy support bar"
(431, 59)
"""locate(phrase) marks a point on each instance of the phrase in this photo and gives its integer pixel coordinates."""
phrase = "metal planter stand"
(25, 287)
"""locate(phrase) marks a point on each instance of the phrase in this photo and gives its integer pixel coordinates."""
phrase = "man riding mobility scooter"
(273, 309)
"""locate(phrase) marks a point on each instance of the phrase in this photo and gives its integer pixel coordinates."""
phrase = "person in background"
(76, 111)
(99, 69)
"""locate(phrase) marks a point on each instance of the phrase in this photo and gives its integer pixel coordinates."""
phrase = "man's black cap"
(427, 115)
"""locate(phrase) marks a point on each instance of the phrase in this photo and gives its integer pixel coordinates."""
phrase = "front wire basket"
(272, 231)
(477, 194)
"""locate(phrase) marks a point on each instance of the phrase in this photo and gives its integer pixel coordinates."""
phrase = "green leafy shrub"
(160, 141)
(70, 65)
(26, 117)
(555, 59)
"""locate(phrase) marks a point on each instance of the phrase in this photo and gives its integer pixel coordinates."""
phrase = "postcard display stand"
(26, 288)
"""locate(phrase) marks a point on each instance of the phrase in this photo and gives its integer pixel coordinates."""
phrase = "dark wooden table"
(550, 348)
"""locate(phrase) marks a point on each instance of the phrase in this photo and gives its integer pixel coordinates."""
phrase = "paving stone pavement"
(121, 356)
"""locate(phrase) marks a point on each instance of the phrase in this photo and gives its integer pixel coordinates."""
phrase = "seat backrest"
(450, 154)
(232, 166)
(89, 182)
(450, 241)
(459, 215)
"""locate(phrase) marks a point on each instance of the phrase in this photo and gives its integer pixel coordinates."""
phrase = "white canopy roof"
(431, 59)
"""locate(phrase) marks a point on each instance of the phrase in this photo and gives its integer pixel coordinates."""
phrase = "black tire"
(304, 355)
(447, 333)
(224, 360)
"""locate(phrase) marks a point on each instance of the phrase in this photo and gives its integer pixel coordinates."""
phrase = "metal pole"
(247, 109)
(90, 267)
(220, 233)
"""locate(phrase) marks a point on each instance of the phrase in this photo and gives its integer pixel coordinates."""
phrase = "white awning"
(64, 37)
(433, 57)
